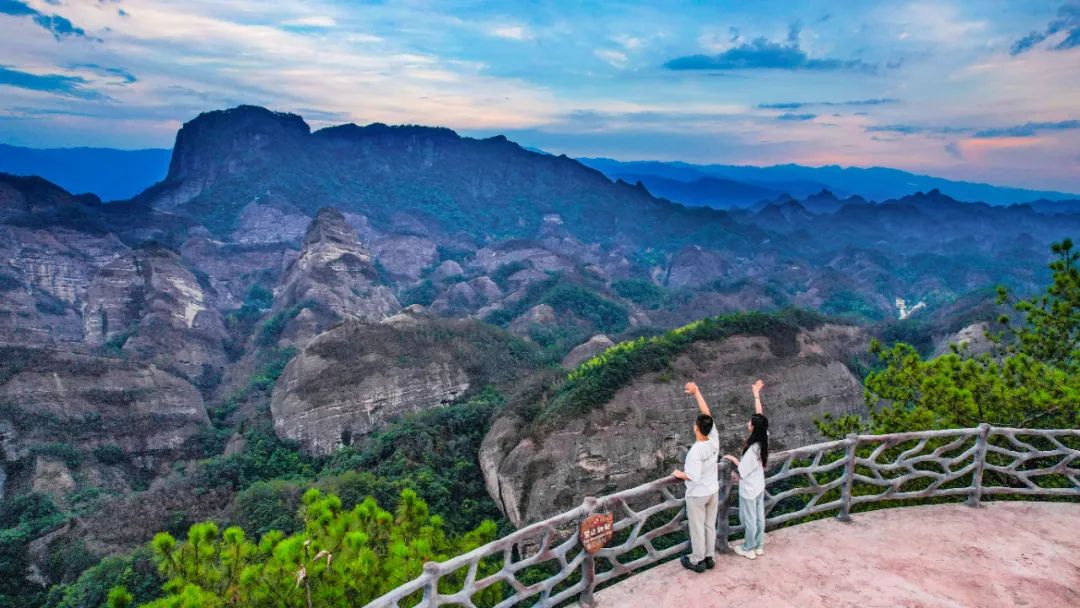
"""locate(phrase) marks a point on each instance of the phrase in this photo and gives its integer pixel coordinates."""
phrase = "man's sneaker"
(759, 551)
(698, 567)
(738, 549)
(710, 563)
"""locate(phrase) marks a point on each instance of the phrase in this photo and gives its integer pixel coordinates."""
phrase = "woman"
(755, 457)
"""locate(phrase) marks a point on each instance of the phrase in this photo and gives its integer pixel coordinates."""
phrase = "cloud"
(1067, 23)
(1028, 129)
(916, 129)
(762, 53)
(125, 76)
(790, 116)
(59, 26)
(954, 151)
(794, 105)
(58, 84)
(615, 58)
(511, 32)
(312, 22)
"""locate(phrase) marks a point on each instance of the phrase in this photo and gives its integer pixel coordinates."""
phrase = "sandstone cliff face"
(351, 379)
(49, 398)
(334, 278)
(157, 310)
(646, 429)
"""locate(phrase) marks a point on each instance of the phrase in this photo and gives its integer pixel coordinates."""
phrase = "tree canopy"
(342, 558)
(1030, 378)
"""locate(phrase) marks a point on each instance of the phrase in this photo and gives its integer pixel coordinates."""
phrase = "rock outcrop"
(351, 379)
(972, 341)
(645, 430)
(150, 305)
(333, 279)
(587, 350)
(65, 413)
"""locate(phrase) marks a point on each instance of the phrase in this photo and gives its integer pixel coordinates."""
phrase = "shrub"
(641, 292)
(595, 381)
(110, 455)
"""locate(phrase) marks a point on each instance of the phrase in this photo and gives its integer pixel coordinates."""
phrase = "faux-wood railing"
(803, 482)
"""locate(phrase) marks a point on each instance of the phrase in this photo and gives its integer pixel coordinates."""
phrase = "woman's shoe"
(710, 563)
(738, 549)
(759, 551)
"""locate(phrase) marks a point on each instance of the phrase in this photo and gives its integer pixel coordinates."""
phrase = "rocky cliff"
(353, 378)
(334, 278)
(109, 421)
(534, 471)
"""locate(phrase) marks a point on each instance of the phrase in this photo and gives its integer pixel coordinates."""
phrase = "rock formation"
(645, 430)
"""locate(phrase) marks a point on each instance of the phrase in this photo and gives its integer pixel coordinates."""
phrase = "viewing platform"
(981, 553)
(1001, 554)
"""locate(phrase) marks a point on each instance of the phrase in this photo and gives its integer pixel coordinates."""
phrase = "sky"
(979, 90)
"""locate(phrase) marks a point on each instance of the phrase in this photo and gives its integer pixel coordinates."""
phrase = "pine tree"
(1030, 379)
(342, 558)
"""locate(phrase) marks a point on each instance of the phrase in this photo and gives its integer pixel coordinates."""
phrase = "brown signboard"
(596, 531)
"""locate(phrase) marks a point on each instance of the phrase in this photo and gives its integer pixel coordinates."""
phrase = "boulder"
(587, 350)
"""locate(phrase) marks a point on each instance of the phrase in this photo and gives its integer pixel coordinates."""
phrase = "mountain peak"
(236, 134)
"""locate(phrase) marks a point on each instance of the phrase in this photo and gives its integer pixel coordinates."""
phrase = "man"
(702, 487)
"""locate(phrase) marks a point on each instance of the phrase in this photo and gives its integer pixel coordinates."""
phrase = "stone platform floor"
(1001, 554)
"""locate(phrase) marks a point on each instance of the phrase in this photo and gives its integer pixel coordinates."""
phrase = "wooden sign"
(596, 531)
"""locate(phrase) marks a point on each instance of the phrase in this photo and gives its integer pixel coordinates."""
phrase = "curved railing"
(650, 520)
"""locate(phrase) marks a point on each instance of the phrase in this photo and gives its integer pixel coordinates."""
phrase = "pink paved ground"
(1002, 554)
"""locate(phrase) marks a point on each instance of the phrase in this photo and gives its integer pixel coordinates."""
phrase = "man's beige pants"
(701, 511)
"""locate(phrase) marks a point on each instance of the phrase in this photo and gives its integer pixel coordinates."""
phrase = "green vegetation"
(1031, 380)
(604, 314)
(423, 293)
(849, 304)
(110, 455)
(275, 324)
(501, 275)
(341, 557)
(23, 519)
(641, 292)
(136, 572)
(596, 381)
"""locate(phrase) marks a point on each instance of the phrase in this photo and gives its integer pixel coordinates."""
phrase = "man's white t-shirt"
(701, 466)
(751, 474)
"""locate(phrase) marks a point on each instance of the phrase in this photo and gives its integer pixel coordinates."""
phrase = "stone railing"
(544, 564)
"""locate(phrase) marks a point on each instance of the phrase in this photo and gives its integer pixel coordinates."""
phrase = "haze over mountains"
(114, 174)
(321, 285)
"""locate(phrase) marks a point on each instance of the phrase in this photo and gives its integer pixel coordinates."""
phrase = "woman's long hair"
(759, 434)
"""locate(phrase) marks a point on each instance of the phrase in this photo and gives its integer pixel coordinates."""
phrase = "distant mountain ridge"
(114, 174)
(874, 183)
(109, 173)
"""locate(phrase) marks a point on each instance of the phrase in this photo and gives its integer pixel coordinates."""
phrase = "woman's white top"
(751, 473)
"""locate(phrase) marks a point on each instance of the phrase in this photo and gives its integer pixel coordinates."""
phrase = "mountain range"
(114, 174)
(296, 292)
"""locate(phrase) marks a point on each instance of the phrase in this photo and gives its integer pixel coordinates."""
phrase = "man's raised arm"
(757, 396)
(692, 389)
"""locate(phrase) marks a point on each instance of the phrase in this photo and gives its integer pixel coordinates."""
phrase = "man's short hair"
(704, 424)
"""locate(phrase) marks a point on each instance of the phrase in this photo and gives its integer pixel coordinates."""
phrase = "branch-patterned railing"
(545, 565)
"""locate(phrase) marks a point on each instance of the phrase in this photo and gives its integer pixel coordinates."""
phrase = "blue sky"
(982, 90)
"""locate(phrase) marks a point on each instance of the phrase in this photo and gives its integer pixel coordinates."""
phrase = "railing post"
(588, 565)
(849, 476)
(722, 521)
(431, 588)
(980, 462)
